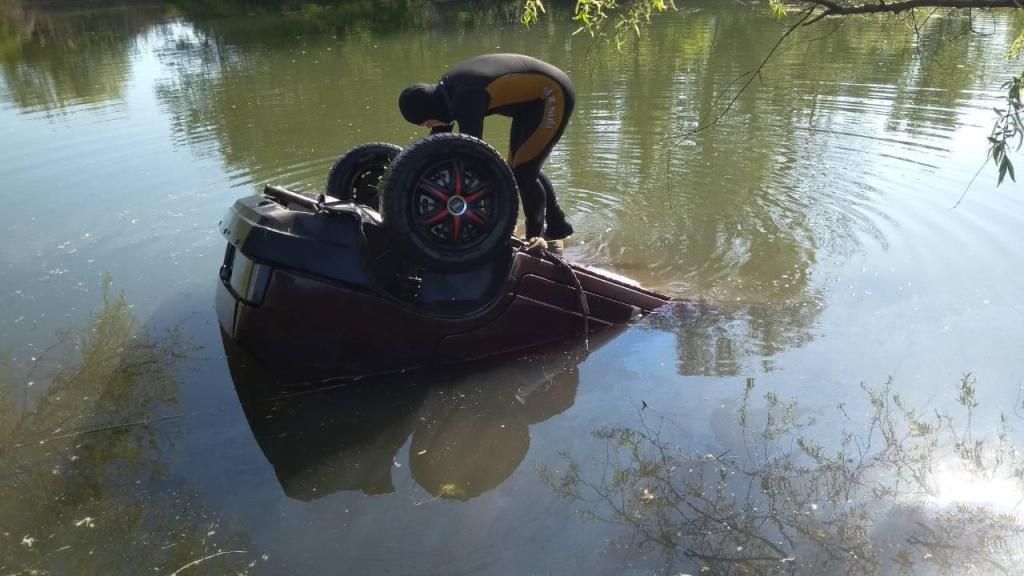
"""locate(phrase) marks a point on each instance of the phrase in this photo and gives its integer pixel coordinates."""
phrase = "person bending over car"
(536, 95)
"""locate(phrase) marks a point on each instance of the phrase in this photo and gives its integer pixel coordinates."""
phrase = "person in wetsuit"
(536, 95)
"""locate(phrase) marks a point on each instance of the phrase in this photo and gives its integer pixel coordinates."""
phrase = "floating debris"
(87, 522)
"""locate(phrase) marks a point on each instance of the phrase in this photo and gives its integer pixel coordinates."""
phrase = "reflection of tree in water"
(784, 494)
(722, 216)
(717, 339)
(279, 22)
(780, 182)
(83, 489)
(63, 56)
(288, 90)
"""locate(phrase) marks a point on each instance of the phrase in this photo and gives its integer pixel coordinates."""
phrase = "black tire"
(450, 201)
(355, 176)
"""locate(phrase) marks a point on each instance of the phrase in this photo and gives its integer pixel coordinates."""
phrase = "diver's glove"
(539, 246)
(536, 245)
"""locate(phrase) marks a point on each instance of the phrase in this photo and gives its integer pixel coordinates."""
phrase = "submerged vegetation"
(786, 491)
(84, 488)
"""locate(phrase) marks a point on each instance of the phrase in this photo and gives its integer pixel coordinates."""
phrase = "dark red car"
(331, 288)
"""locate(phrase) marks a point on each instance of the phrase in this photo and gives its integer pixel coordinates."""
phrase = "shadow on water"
(889, 490)
(465, 430)
(84, 486)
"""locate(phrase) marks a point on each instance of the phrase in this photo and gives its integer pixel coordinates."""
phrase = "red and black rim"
(453, 204)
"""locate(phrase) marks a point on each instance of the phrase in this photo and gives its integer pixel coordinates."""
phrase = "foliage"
(532, 11)
(778, 9)
(1008, 128)
(627, 17)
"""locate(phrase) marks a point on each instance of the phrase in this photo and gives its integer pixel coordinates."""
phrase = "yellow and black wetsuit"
(539, 98)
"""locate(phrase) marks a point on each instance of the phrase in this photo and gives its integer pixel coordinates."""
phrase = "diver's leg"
(533, 151)
(535, 130)
(557, 226)
(534, 199)
(524, 124)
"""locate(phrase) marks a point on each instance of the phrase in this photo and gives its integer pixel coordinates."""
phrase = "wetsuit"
(539, 98)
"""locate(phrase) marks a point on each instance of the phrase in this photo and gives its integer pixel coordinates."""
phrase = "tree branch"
(835, 9)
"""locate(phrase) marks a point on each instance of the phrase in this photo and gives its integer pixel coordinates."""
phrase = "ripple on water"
(306, 176)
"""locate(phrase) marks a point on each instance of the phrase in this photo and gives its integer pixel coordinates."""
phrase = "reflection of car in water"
(467, 430)
(333, 288)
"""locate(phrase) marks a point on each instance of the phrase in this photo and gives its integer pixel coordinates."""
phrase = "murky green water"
(803, 410)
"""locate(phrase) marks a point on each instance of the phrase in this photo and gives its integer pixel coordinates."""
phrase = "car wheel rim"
(454, 205)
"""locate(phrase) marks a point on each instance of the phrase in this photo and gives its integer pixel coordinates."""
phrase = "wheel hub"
(457, 205)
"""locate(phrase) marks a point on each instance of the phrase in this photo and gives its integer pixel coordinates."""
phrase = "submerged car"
(407, 262)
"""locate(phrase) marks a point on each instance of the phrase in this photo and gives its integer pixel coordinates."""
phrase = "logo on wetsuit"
(549, 108)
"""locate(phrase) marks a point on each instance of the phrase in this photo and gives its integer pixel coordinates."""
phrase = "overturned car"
(407, 261)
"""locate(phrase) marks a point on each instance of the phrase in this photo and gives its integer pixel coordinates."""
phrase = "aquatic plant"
(905, 490)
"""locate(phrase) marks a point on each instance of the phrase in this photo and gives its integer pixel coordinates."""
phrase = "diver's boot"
(558, 230)
(558, 227)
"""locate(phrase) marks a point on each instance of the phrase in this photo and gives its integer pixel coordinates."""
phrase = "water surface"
(806, 408)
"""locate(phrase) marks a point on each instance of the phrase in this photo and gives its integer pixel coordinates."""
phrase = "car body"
(318, 288)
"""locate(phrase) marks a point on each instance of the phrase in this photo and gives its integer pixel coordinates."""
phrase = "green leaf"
(532, 9)
(778, 9)
(1015, 48)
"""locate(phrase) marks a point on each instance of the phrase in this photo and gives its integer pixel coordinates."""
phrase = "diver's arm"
(469, 108)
